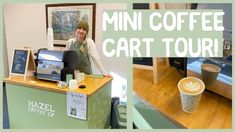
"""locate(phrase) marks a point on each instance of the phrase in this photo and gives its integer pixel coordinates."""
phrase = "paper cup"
(190, 89)
(77, 76)
(82, 75)
(68, 78)
(73, 84)
(209, 73)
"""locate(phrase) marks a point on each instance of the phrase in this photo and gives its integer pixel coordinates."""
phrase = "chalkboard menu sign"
(20, 61)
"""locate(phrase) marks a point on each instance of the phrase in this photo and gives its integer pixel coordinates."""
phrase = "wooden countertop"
(214, 110)
(92, 84)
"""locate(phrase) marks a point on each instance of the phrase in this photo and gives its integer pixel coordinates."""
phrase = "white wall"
(25, 26)
(117, 67)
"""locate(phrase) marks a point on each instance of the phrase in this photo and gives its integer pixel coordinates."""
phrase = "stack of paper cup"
(50, 39)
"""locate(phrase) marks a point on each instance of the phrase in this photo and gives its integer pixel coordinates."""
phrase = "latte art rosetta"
(192, 86)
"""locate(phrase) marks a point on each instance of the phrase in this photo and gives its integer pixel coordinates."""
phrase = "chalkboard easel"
(22, 62)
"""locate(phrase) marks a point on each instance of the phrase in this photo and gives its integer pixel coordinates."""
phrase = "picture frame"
(64, 17)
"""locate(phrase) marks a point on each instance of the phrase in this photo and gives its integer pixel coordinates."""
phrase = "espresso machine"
(53, 65)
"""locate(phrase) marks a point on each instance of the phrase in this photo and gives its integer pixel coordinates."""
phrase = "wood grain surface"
(92, 84)
(214, 110)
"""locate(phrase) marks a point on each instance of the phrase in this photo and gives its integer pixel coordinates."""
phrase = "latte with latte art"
(191, 85)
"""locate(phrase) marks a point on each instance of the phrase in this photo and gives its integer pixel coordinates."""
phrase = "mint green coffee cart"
(37, 104)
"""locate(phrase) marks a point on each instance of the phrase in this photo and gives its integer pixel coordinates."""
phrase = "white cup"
(77, 76)
(73, 84)
(82, 76)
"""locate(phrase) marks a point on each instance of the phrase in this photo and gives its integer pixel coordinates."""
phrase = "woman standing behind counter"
(86, 50)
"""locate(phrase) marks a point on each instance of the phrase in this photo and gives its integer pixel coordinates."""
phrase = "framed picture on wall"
(63, 19)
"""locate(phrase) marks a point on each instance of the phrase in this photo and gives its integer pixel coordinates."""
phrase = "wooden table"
(92, 84)
(214, 111)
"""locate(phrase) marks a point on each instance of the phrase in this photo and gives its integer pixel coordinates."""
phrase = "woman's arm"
(95, 56)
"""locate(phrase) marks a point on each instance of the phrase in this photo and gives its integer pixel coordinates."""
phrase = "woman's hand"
(108, 75)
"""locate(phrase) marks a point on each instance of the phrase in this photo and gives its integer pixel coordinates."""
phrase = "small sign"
(77, 105)
(22, 61)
